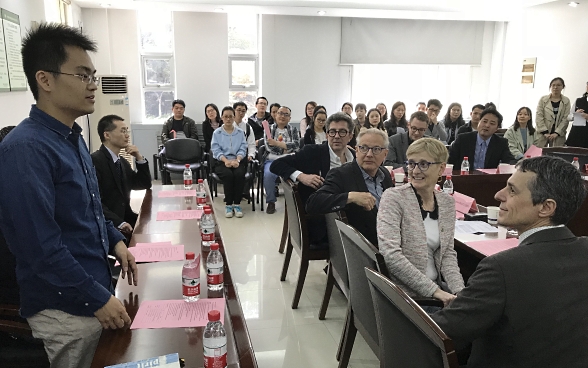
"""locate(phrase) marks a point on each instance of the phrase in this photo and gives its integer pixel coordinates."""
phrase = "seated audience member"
(229, 149)
(526, 306)
(436, 130)
(452, 121)
(273, 111)
(421, 106)
(397, 119)
(305, 122)
(399, 143)
(357, 186)
(310, 165)
(116, 177)
(381, 107)
(210, 124)
(178, 125)
(374, 120)
(240, 109)
(257, 119)
(316, 132)
(360, 121)
(284, 140)
(416, 225)
(472, 125)
(522, 134)
(484, 149)
(347, 108)
(578, 136)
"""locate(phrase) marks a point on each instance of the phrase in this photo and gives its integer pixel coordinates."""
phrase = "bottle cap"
(207, 211)
(200, 181)
(214, 246)
(213, 315)
(190, 255)
(465, 157)
(448, 177)
(187, 166)
(575, 159)
(207, 206)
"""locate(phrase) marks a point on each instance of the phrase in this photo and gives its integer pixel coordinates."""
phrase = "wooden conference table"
(162, 281)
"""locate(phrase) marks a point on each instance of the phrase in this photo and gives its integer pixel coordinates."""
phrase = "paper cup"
(492, 214)
(399, 178)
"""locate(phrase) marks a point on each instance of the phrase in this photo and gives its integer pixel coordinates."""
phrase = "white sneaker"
(229, 211)
(238, 212)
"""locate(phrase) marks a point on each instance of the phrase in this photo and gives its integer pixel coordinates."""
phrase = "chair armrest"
(428, 302)
(9, 310)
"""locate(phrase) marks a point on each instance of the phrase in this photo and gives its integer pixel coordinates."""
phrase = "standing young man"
(50, 210)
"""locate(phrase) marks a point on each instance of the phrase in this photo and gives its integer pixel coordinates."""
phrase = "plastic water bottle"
(200, 194)
(448, 185)
(465, 166)
(576, 164)
(207, 229)
(215, 269)
(191, 278)
(187, 177)
(214, 342)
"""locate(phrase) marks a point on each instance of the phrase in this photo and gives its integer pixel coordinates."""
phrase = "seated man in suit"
(116, 177)
(484, 149)
(310, 165)
(526, 306)
(357, 186)
(417, 126)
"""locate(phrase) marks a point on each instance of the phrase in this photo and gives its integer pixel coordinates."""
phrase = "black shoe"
(277, 191)
(271, 208)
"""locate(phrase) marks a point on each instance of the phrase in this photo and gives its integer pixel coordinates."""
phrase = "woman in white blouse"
(522, 134)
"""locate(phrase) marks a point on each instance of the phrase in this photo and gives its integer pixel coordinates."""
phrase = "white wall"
(201, 45)
(301, 63)
(15, 106)
(556, 34)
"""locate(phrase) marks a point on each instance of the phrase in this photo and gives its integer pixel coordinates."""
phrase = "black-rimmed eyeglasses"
(332, 132)
(423, 165)
(83, 77)
(375, 150)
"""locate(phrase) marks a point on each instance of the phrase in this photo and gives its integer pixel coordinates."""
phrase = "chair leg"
(284, 232)
(349, 333)
(328, 291)
(342, 339)
(300, 283)
(289, 250)
(261, 189)
(215, 189)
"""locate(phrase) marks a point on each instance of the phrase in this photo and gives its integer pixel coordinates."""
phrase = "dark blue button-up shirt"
(51, 217)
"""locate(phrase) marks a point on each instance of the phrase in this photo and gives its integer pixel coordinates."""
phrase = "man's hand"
(126, 228)
(275, 143)
(113, 315)
(363, 199)
(444, 296)
(134, 151)
(313, 181)
(551, 137)
(127, 262)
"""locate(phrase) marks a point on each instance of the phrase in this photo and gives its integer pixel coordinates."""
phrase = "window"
(65, 12)
(157, 64)
(243, 59)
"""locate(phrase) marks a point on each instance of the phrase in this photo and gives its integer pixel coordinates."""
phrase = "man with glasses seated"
(436, 129)
(357, 186)
(310, 165)
(417, 126)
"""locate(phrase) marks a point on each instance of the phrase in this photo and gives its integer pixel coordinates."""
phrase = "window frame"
(157, 56)
(244, 57)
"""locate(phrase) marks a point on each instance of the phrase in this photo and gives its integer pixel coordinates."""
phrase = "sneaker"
(271, 208)
(229, 211)
(238, 212)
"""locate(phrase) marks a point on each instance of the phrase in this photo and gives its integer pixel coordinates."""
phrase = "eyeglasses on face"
(286, 114)
(83, 77)
(417, 130)
(423, 165)
(241, 110)
(342, 132)
(433, 110)
(375, 150)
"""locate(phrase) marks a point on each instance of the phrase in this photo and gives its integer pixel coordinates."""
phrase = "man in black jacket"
(256, 120)
(357, 186)
(183, 126)
(116, 177)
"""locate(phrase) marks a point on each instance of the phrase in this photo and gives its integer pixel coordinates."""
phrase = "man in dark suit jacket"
(116, 182)
(484, 149)
(526, 306)
(357, 186)
(398, 143)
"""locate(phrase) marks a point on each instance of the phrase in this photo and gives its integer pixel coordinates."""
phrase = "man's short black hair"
(275, 104)
(260, 98)
(286, 107)
(435, 102)
(240, 103)
(478, 106)
(44, 49)
(178, 101)
(419, 115)
(360, 106)
(4, 131)
(493, 112)
(106, 124)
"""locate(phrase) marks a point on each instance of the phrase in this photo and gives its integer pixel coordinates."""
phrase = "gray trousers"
(70, 341)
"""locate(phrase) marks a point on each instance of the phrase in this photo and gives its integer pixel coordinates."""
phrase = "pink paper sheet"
(487, 171)
(176, 313)
(534, 151)
(459, 215)
(266, 128)
(176, 193)
(179, 215)
(490, 247)
(159, 244)
(464, 203)
(158, 253)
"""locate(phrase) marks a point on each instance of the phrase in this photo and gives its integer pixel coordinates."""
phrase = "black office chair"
(214, 179)
(179, 152)
(408, 337)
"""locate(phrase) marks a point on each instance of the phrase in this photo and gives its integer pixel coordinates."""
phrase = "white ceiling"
(490, 10)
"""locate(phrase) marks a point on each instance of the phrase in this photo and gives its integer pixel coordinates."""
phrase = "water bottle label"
(448, 191)
(187, 181)
(207, 233)
(215, 275)
(465, 172)
(215, 357)
(201, 198)
(190, 287)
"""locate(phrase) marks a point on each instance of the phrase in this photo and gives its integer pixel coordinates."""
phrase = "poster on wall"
(4, 80)
(528, 72)
(12, 43)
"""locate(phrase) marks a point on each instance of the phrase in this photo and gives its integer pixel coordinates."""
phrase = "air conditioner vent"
(114, 85)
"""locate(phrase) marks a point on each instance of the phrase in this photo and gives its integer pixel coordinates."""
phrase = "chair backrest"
(183, 150)
(408, 337)
(336, 252)
(359, 254)
(297, 229)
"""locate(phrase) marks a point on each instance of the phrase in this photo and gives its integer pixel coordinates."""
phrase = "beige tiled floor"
(282, 336)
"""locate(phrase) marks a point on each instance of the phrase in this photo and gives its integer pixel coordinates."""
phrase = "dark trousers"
(233, 180)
